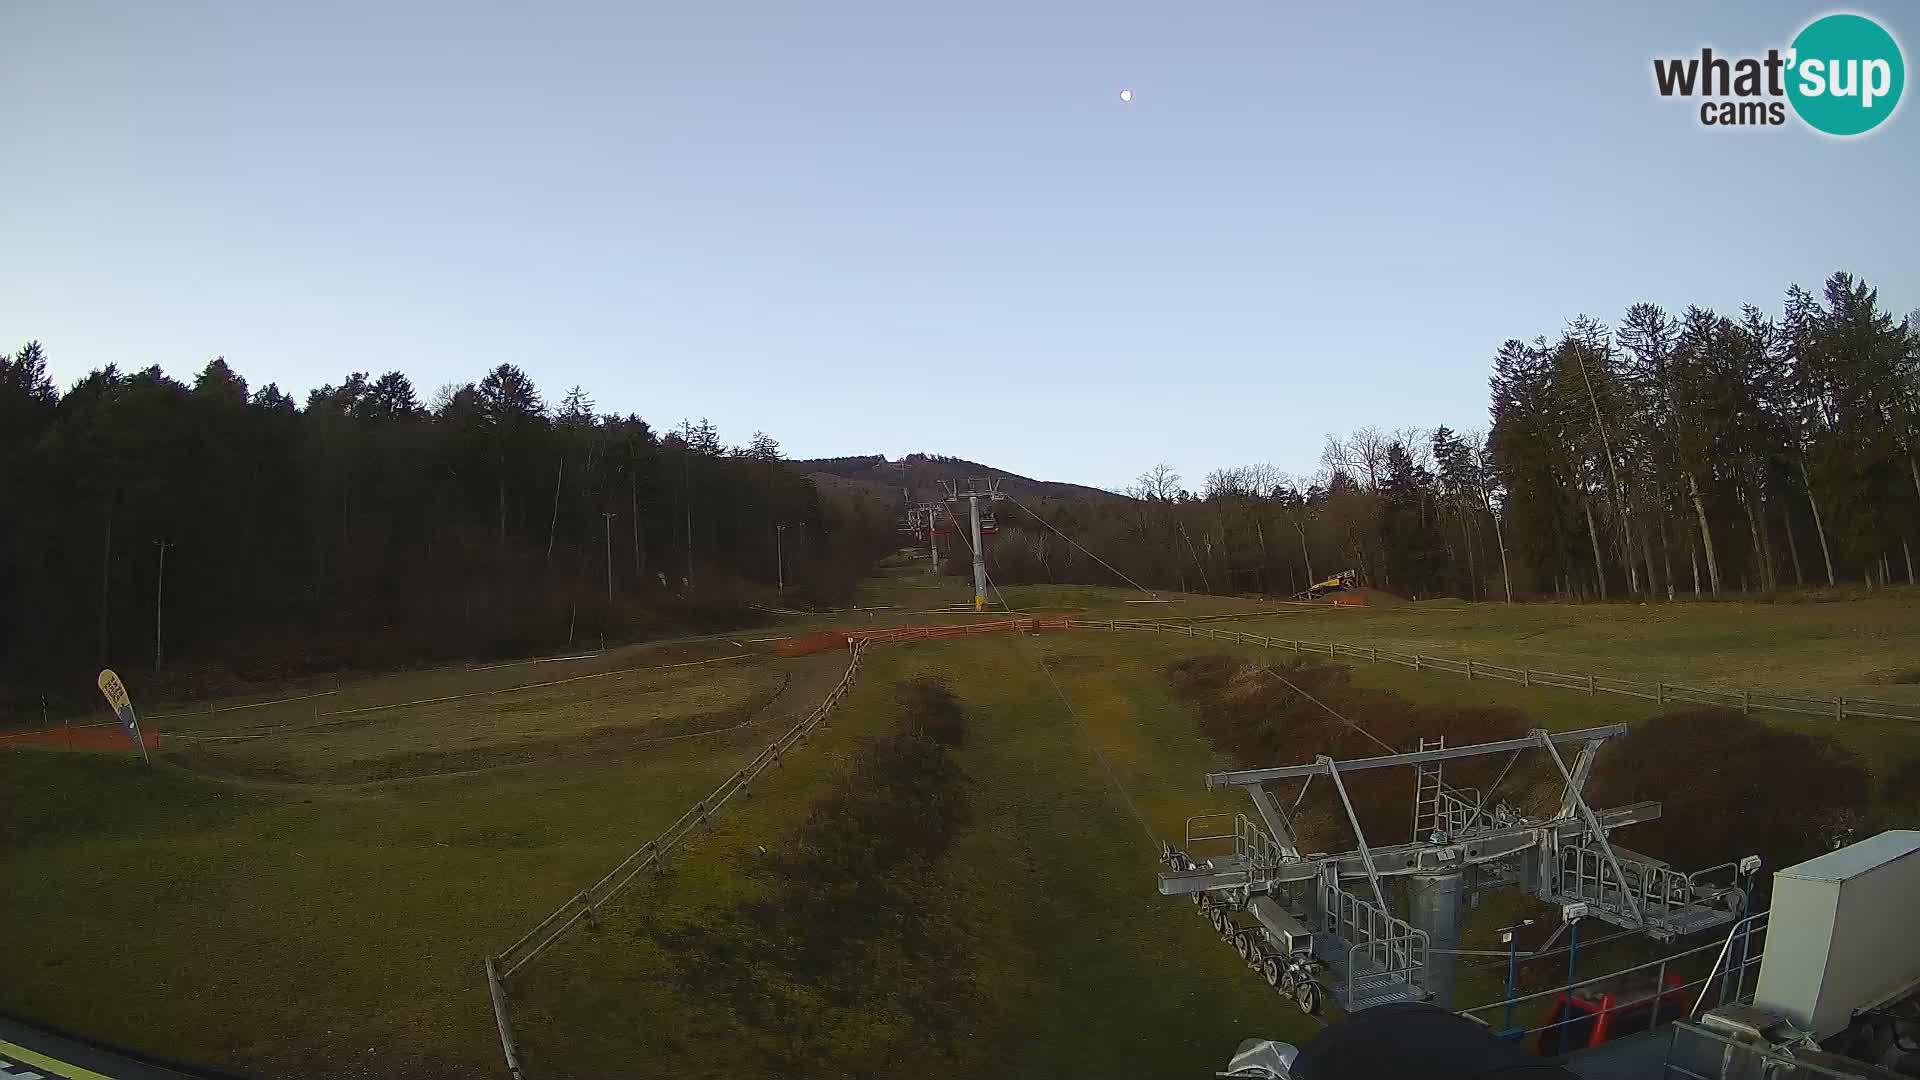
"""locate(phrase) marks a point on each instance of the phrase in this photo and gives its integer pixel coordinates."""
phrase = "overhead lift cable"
(1081, 548)
(1153, 839)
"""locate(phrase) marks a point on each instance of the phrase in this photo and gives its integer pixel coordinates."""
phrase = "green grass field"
(1847, 648)
(321, 898)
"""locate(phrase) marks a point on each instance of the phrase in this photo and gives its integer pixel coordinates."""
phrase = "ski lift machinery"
(1324, 925)
(975, 491)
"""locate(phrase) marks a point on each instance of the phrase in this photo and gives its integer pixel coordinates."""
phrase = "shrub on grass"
(928, 707)
(1729, 786)
(1262, 716)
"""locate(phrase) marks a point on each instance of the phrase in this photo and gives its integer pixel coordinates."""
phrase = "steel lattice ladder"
(1428, 813)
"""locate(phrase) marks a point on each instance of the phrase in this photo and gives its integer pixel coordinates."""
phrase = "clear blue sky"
(887, 227)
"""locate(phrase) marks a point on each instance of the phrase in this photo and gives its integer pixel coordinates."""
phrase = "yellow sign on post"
(115, 692)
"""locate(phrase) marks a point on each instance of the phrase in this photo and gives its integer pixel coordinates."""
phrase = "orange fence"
(839, 639)
(108, 736)
(111, 736)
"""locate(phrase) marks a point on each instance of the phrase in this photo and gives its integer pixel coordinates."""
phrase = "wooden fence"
(584, 906)
(1747, 701)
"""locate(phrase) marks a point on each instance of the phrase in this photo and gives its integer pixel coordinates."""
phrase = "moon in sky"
(1126, 95)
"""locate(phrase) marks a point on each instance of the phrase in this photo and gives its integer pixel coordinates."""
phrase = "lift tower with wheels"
(973, 490)
(1328, 925)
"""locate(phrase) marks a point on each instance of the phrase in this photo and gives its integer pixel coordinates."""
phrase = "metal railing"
(1736, 957)
(1454, 809)
(1250, 842)
(585, 904)
(1209, 829)
(1390, 945)
(1584, 874)
(1839, 707)
(1695, 1053)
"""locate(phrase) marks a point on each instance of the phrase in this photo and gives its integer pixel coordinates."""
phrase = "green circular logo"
(1845, 74)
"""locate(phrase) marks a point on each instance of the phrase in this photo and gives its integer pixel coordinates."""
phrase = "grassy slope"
(620, 711)
(261, 925)
(1823, 648)
(1087, 970)
(274, 922)
(1884, 746)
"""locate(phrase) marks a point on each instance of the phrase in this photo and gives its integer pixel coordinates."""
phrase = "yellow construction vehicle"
(1340, 582)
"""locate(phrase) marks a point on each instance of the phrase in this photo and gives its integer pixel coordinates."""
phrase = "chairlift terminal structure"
(1319, 925)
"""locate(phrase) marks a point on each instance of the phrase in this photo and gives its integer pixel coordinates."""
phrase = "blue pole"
(1737, 954)
(1573, 948)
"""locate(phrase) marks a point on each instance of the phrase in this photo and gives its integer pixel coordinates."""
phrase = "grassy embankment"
(317, 902)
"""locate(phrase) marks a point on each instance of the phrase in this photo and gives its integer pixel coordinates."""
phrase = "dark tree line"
(1696, 454)
(365, 527)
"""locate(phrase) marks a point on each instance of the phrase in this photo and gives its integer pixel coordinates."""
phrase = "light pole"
(159, 601)
(779, 560)
(608, 515)
(1513, 966)
(606, 620)
(1573, 913)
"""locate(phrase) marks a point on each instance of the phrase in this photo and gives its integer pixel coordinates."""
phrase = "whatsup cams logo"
(1842, 75)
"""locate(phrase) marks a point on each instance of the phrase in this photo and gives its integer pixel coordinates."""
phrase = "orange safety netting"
(839, 639)
(90, 737)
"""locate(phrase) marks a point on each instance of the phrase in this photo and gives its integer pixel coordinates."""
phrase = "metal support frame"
(1593, 823)
(977, 488)
(1497, 781)
(1578, 776)
(1441, 874)
(1243, 777)
(1359, 835)
(1279, 823)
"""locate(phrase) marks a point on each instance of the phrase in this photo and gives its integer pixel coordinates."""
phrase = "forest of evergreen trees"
(1696, 455)
(367, 528)
(1666, 456)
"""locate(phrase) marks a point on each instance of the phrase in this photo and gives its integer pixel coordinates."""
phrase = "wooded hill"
(916, 478)
(1691, 455)
(365, 528)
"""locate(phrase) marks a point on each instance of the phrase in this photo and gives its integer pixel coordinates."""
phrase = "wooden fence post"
(1589, 686)
(1526, 676)
(1660, 693)
(1416, 661)
(1469, 669)
(1746, 704)
(1840, 708)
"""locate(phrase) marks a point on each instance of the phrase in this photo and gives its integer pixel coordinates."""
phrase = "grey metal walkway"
(1372, 984)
